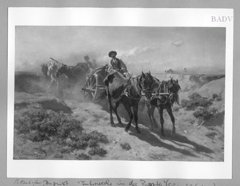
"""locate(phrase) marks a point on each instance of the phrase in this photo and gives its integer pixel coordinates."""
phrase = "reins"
(157, 94)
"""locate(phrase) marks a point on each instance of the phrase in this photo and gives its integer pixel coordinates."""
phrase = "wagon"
(94, 88)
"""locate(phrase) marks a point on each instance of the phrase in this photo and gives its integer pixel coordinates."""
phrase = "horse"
(50, 70)
(74, 73)
(161, 97)
(149, 86)
(173, 88)
(123, 90)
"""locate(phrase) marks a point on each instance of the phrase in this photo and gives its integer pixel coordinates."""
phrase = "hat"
(112, 53)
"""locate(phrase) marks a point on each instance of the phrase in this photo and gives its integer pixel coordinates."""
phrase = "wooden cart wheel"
(91, 89)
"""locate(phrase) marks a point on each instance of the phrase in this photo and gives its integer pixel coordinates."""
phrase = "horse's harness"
(153, 94)
(157, 94)
(145, 92)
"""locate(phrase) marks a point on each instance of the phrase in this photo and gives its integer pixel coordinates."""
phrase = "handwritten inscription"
(95, 183)
(153, 183)
(40, 182)
(106, 182)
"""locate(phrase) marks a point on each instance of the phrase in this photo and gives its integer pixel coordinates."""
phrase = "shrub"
(22, 125)
(36, 136)
(203, 114)
(88, 139)
(211, 135)
(97, 151)
(92, 143)
(37, 119)
(196, 100)
(217, 97)
(66, 149)
(98, 137)
(194, 96)
(85, 137)
(125, 146)
(58, 156)
(70, 127)
(83, 156)
(79, 144)
(41, 124)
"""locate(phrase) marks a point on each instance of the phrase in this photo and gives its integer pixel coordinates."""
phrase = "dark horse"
(161, 98)
(149, 86)
(122, 90)
(74, 73)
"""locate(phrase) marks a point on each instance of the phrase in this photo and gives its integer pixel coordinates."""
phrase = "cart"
(94, 88)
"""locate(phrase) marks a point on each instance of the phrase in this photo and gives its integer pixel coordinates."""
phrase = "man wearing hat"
(116, 64)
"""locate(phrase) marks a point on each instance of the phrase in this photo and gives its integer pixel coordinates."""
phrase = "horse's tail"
(177, 99)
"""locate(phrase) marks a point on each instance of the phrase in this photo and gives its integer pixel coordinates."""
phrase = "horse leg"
(135, 113)
(160, 110)
(149, 111)
(151, 116)
(177, 99)
(115, 110)
(128, 108)
(169, 110)
(111, 116)
(110, 108)
(154, 120)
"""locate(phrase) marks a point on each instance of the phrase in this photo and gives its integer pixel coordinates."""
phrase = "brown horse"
(74, 73)
(173, 88)
(161, 98)
(122, 90)
(149, 86)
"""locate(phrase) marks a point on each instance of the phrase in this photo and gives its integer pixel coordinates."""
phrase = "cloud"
(135, 51)
(178, 43)
(140, 48)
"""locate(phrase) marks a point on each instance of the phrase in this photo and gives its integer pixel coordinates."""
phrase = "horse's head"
(163, 87)
(62, 70)
(146, 83)
(173, 86)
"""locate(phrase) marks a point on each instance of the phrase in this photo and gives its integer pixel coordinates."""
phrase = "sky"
(141, 48)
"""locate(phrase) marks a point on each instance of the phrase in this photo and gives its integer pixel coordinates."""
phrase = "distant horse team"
(122, 88)
(56, 71)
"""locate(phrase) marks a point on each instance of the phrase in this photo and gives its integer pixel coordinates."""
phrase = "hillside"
(198, 138)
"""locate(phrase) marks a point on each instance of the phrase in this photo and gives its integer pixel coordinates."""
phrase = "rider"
(116, 64)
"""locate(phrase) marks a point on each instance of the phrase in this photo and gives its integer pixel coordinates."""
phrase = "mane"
(174, 84)
(54, 61)
(148, 76)
(163, 86)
